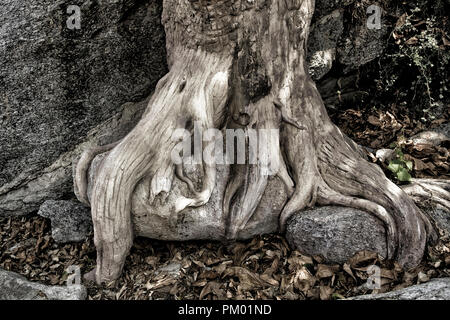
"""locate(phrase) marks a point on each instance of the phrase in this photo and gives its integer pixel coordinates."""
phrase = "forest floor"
(261, 268)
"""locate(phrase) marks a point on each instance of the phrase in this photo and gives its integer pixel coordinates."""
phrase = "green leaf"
(393, 145)
(395, 165)
(403, 175)
(399, 154)
(337, 296)
(409, 165)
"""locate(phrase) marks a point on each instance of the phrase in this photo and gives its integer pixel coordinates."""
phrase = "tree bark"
(241, 64)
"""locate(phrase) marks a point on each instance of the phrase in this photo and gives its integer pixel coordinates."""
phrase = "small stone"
(16, 287)
(335, 233)
(71, 221)
(422, 277)
(173, 269)
(385, 155)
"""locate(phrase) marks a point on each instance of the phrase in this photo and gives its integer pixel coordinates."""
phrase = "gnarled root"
(145, 153)
(257, 76)
(436, 191)
(81, 172)
(329, 169)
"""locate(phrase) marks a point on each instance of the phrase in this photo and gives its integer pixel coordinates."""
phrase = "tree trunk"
(241, 64)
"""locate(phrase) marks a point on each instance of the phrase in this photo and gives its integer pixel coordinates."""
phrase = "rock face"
(435, 289)
(60, 83)
(333, 40)
(71, 221)
(15, 287)
(335, 233)
(361, 45)
(322, 43)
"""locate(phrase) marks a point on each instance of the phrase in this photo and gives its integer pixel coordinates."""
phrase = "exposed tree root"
(252, 77)
(434, 190)
(138, 156)
(83, 166)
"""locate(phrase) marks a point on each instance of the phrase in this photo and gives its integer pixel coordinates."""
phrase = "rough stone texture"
(56, 180)
(437, 136)
(58, 84)
(322, 43)
(361, 45)
(336, 233)
(324, 7)
(441, 217)
(333, 40)
(71, 221)
(435, 289)
(15, 287)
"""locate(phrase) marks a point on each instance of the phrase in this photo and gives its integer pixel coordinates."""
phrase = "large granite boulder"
(60, 83)
(16, 287)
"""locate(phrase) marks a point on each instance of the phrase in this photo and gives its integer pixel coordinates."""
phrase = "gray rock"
(324, 7)
(71, 221)
(435, 289)
(441, 217)
(336, 233)
(352, 46)
(322, 43)
(58, 84)
(437, 136)
(16, 287)
(173, 269)
(362, 45)
(56, 180)
(385, 155)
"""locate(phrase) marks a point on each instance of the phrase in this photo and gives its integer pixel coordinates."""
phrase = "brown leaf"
(374, 121)
(362, 257)
(248, 280)
(325, 292)
(164, 282)
(445, 41)
(269, 280)
(200, 283)
(401, 21)
(324, 271)
(412, 41)
(347, 269)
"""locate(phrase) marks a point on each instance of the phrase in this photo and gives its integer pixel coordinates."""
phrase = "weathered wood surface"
(237, 64)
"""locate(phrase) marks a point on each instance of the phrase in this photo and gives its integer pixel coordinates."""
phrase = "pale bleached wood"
(241, 64)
